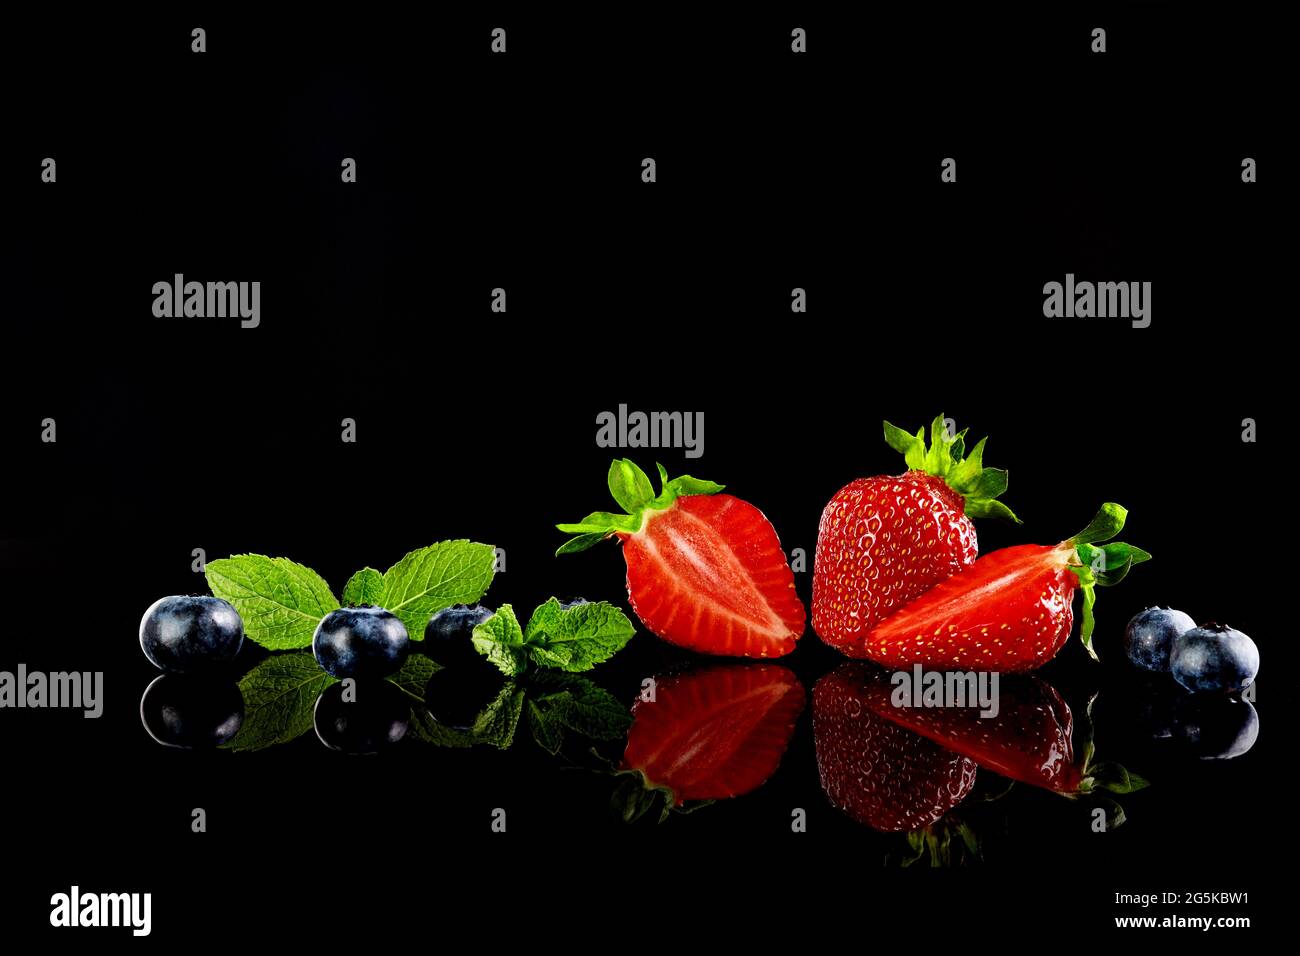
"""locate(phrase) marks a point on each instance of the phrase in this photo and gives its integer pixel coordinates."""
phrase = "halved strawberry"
(704, 570)
(1012, 609)
(710, 733)
(873, 769)
(885, 540)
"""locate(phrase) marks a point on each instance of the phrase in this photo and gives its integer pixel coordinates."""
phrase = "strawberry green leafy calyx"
(1101, 564)
(946, 459)
(631, 488)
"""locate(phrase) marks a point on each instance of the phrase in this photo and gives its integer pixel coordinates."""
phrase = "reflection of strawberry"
(1029, 739)
(887, 539)
(1010, 610)
(876, 771)
(704, 570)
(719, 731)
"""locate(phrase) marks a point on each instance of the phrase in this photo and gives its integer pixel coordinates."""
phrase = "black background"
(523, 171)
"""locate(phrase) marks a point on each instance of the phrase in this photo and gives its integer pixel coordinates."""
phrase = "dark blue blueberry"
(1149, 637)
(1217, 727)
(447, 635)
(187, 634)
(376, 716)
(360, 642)
(456, 696)
(181, 710)
(1214, 657)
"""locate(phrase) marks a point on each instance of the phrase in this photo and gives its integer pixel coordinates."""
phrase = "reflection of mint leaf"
(494, 726)
(414, 675)
(364, 587)
(501, 641)
(280, 602)
(576, 638)
(430, 579)
(279, 696)
(558, 703)
(568, 639)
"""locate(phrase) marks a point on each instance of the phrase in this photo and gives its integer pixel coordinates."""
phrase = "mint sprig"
(631, 488)
(566, 639)
(946, 458)
(281, 602)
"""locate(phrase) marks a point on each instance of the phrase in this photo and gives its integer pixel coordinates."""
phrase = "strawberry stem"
(1105, 566)
(946, 458)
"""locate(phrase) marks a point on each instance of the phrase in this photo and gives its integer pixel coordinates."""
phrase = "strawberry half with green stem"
(1011, 610)
(885, 540)
(704, 570)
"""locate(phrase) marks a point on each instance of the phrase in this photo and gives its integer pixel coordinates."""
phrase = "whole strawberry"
(885, 540)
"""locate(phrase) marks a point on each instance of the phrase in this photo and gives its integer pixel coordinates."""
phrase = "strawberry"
(704, 570)
(1012, 609)
(710, 733)
(885, 540)
(876, 771)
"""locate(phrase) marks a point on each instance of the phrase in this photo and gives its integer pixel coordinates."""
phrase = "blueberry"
(456, 696)
(1217, 727)
(1214, 657)
(187, 634)
(1150, 636)
(360, 642)
(572, 602)
(447, 635)
(377, 716)
(182, 710)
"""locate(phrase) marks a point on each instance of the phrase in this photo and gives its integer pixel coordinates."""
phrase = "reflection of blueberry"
(191, 712)
(1150, 636)
(377, 716)
(455, 696)
(1214, 657)
(447, 635)
(360, 642)
(186, 634)
(1217, 727)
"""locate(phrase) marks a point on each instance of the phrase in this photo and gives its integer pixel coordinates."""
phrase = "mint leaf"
(279, 601)
(494, 726)
(560, 702)
(279, 699)
(364, 587)
(430, 579)
(577, 638)
(414, 675)
(501, 641)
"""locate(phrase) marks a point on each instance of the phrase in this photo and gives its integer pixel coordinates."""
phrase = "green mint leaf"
(577, 638)
(414, 675)
(581, 706)
(501, 641)
(494, 727)
(548, 732)
(430, 579)
(629, 485)
(279, 601)
(279, 700)
(364, 587)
